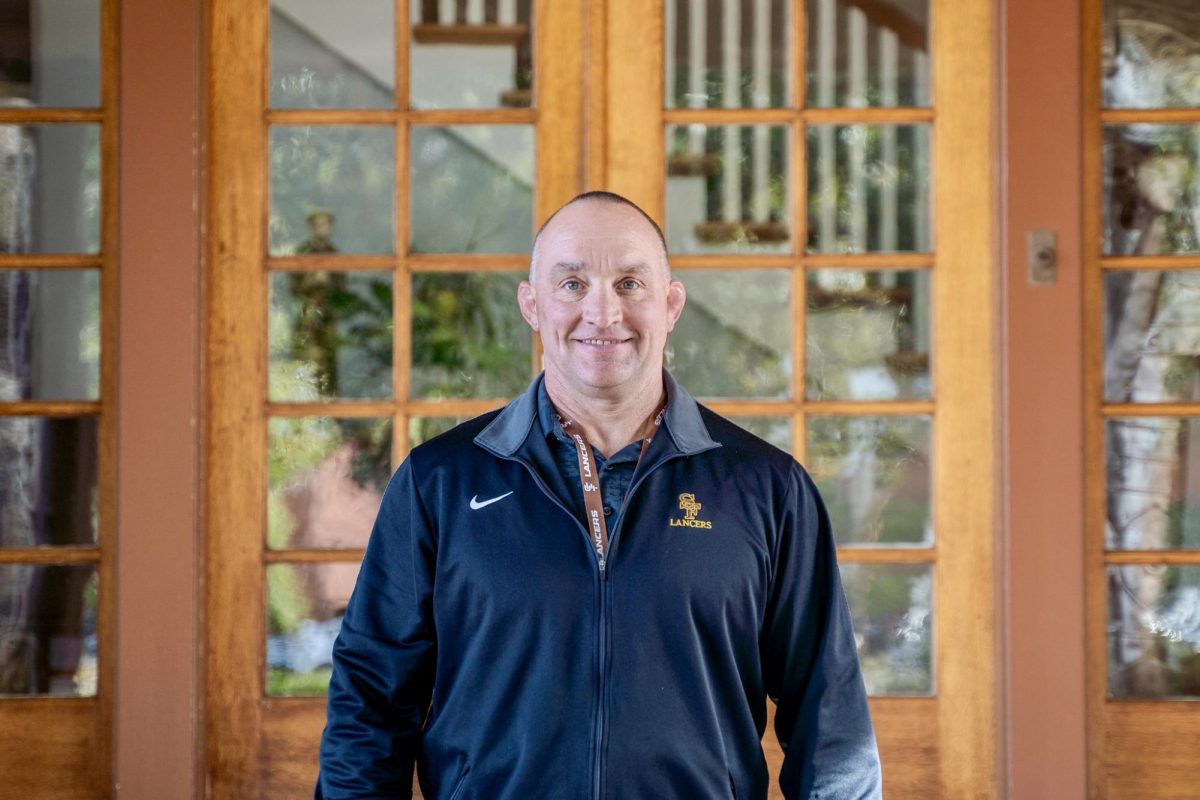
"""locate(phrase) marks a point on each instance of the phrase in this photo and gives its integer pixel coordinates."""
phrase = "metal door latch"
(1043, 256)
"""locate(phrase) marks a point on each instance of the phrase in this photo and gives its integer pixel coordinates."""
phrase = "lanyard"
(589, 478)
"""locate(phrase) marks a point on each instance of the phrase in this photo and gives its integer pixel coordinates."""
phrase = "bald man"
(592, 592)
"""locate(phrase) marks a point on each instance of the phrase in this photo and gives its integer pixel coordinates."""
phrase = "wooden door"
(832, 222)
(1141, 307)
(58, 466)
(823, 170)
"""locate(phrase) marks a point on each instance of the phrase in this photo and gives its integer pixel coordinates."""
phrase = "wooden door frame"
(1043, 430)
(156, 741)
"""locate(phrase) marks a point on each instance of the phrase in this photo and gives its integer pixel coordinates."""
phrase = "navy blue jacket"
(485, 645)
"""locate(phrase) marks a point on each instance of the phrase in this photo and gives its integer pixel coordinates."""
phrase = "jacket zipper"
(602, 591)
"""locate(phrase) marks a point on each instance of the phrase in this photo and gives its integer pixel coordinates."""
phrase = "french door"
(823, 171)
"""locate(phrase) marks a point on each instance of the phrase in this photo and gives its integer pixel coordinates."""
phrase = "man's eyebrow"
(566, 267)
(636, 268)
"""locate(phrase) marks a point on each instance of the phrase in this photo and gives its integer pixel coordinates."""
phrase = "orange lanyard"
(589, 478)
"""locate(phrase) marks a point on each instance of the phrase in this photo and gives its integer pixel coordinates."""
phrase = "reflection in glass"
(48, 629)
(734, 339)
(1153, 631)
(868, 188)
(332, 189)
(326, 478)
(776, 430)
(1151, 336)
(727, 189)
(874, 474)
(422, 429)
(50, 334)
(1151, 206)
(50, 188)
(468, 336)
(330, 335)
(477, 55)
(891, 606)
(471, 189)
(734, 57)
(868, 335)
(1150, 54)
(868, 54)
(305, 604)
(50, 54)
(48, 481)
(1153, 472)
(332, 55)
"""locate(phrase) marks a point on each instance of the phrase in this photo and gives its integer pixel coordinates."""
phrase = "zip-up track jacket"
(486, 646)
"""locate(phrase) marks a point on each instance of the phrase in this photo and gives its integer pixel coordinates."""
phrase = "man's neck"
(608, 423)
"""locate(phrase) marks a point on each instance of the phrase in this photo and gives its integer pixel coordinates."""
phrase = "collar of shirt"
(552, 428)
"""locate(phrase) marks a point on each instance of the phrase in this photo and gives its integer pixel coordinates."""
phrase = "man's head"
(601, 297)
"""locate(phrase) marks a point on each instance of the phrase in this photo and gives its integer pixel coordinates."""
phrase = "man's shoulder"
(741, 445)
(456, 442)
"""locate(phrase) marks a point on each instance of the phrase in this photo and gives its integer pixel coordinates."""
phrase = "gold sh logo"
(690, 508)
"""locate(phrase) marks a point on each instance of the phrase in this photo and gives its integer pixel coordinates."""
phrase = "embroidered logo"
(477, 504)
(691, 509)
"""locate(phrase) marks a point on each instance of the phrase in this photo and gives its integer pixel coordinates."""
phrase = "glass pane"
(332, 189)
(1150, 54)
(333, 55)
(327, 478)
(868, 54)
(727, 189)
(468, 336)
(48, 629)
(1150, 206)
(1151, 336)
(330, 335)
(48, 481)
(50, 54)
(891, 606)
(471, 55)
(1153, 631)
(868, 335)
(422, 429)
(305, 604)
(50, 188)
(1153, 473)
(472, 189)
(868, 188)
(874, 474)
(733, 54)
(776, 430)
(49, 334)
(735, 336)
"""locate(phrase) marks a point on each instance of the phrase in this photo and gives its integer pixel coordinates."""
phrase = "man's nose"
(602, 307)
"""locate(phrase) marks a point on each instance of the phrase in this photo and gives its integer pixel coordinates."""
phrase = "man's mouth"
(601, 342)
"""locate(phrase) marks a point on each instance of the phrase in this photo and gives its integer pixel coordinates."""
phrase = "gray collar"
(506, 434)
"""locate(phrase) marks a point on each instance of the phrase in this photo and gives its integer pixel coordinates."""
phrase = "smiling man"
(593, 592)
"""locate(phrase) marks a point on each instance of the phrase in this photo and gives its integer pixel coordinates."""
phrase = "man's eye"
(629, 285)
(572, 285)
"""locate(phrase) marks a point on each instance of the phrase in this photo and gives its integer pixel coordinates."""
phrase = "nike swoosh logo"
(478, 504)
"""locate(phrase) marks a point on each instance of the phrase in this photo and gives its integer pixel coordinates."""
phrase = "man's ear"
(527, 301)
(676, 298)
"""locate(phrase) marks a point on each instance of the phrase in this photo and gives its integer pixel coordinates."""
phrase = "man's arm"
(810, 663)
(383, 659)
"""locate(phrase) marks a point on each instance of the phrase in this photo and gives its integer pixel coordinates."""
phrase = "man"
(591, 592)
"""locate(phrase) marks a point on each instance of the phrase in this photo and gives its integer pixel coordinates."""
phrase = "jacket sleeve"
(810, 663)
(383, 658)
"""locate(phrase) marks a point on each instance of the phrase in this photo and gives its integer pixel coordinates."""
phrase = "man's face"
(601, 299)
